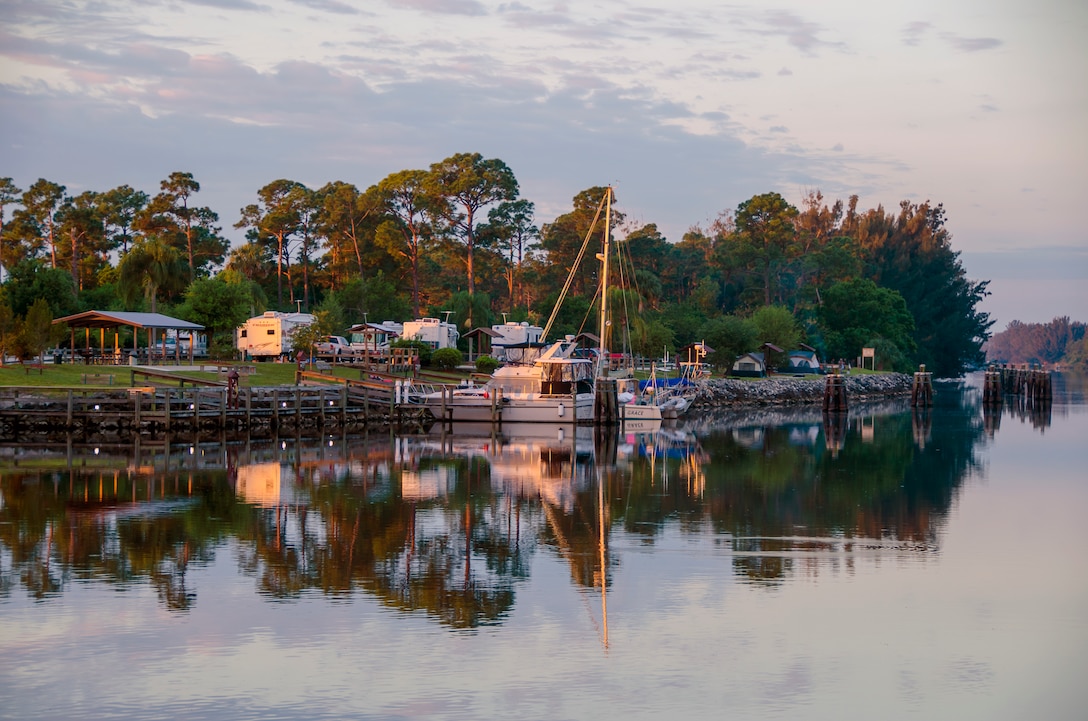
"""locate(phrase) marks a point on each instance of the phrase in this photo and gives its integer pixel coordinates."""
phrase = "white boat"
(555, 387)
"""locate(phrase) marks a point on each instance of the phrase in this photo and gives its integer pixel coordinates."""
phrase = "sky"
(686, 107)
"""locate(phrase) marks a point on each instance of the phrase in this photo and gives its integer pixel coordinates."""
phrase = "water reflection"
(449, 525)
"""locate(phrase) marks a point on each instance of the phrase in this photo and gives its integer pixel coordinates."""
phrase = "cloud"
(800, 33)
(230, 4)
(971, 45)
(913, 34)
(442, 7)
(237, 129)
(915, 31)
(331, 6)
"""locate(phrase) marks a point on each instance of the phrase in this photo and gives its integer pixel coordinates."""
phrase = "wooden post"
(921, 393)
(69, 416)
(166, 406)
(835, 394)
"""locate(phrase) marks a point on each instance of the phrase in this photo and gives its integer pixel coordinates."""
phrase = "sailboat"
(635, 408)
(550, 383)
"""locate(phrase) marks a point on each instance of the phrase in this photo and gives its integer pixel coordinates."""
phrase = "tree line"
(1059, 341)
(458, 236)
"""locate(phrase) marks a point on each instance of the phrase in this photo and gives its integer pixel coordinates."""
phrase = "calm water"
(743, 565)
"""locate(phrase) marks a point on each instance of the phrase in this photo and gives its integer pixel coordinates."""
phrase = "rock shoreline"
(724, 392)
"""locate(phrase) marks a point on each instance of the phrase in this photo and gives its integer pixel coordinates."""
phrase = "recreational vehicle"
(435, 333)
(268, 336)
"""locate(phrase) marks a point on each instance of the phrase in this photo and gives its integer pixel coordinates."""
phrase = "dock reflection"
(449, 525)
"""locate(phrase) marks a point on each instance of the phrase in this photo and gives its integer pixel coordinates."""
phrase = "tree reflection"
(450, 531)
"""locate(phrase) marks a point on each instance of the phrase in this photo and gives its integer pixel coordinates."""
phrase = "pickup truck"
(333, 345)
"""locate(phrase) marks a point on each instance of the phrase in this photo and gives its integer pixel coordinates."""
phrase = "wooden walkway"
(315, 405)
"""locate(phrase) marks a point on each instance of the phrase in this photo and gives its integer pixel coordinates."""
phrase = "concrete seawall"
(724, 392)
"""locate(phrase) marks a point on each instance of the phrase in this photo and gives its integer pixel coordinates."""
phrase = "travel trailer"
(268, 336)
(435, 333)
(508, 335)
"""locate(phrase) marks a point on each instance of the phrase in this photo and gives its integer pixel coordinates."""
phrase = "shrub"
(446, 358)
(486, 364)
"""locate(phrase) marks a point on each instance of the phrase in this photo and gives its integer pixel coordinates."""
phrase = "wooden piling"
(993, 390)
(835, 394)
(921, 393)
(605, 403)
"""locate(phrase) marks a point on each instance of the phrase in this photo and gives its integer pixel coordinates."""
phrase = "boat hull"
(541, 409)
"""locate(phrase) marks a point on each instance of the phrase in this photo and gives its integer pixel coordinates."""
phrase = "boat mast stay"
(603, 257)
(574, 267)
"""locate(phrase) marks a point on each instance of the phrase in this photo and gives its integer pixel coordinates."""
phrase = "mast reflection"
(449, 525)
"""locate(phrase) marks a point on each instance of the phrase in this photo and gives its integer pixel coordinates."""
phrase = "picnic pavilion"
(156, 325)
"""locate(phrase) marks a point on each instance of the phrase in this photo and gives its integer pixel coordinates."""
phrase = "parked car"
(333, 345)
(171, 345)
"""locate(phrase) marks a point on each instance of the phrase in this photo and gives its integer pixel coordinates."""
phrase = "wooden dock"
(315, 405)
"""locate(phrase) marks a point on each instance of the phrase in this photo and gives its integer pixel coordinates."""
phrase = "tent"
(749, 365)
(802, 361)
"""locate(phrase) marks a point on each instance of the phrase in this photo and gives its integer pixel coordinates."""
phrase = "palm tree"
(150, 267)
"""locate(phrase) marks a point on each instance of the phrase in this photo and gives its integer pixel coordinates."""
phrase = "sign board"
(868, 352)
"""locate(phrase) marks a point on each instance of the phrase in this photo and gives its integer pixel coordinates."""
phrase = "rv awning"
(113, 319)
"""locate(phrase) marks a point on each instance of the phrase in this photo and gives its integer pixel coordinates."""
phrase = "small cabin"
(749, 365)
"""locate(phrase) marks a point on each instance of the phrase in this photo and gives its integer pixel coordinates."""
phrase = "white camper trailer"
(518, 335)
(268, 336)
(435, 333)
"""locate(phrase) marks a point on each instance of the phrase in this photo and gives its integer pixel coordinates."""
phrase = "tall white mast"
(604, 279)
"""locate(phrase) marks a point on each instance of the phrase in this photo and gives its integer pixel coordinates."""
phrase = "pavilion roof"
(113, 319)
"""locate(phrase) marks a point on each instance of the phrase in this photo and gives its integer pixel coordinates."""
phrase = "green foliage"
(1076, 355)
(150, 268)
(654, 339)
(686, 322)
(421, 348)
(763, 244)
(912, 256)
(330, 315)
(305, 338)
(406, 243)
(8, 325)
(486, 364)
(374, 299)
(38, 331)
(777, 326)
(729, 336)
(471, 310)
(859, 314)
(219, 306)
(32, 279)
(571, 318)
(446, 358)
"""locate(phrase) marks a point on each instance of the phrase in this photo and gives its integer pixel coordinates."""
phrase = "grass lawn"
(83, 376)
